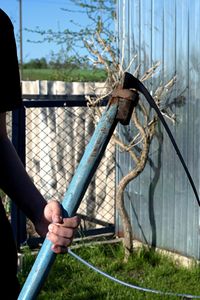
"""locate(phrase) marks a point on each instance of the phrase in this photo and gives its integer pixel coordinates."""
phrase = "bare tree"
(101, 45)
(144, 121)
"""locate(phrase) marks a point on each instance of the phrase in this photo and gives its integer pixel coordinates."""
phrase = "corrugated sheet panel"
(160, 201)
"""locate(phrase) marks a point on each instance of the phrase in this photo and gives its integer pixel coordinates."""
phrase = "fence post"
(18, 219)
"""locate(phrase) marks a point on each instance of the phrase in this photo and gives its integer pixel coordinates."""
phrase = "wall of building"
(160, 202)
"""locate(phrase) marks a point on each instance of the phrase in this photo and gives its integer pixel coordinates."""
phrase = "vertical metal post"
(18, 219)
(21, 39)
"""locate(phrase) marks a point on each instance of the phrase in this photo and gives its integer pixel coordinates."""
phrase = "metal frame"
(18, 219)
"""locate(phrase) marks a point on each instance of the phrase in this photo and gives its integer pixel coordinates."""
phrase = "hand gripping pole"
(119, 109)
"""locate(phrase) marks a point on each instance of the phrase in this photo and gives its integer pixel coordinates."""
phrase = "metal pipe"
(71, 201)
(21, 39)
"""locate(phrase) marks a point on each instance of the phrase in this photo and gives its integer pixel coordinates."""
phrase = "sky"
(45, 14)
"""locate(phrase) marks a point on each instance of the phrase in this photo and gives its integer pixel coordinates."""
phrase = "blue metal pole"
(72, 198)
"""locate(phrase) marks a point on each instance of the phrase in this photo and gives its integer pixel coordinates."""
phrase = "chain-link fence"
(56, 138)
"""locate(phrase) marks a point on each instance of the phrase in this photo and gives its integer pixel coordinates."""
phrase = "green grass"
(82, 75)
(70, 279)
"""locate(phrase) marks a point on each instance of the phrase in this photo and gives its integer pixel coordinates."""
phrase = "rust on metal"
(126, 99)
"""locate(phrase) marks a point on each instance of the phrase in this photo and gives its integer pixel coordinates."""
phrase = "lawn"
(76, 74)
(70, 279)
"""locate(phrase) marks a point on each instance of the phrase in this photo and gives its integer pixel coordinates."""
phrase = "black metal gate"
(50, 134)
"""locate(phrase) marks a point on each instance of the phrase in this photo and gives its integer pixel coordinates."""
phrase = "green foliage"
(69, 279)
(68, 75)
(36, 64)
(74, 39)
(86, 51)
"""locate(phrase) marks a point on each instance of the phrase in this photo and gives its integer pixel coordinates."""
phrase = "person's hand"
(60, 231)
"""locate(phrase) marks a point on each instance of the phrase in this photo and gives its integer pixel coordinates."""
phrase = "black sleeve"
(10, 88)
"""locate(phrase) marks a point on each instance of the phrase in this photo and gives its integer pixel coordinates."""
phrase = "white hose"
(128, 284)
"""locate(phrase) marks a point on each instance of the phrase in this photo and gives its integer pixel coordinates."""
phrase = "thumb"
(56, 218)
(56, 213)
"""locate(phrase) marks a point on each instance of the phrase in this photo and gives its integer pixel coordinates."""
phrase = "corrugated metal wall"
(161, 203)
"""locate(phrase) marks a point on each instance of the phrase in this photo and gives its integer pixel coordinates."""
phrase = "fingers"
(61, 235)
(71, 222)
(59, 249)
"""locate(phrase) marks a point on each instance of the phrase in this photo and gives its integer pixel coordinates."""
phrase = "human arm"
(17, 184)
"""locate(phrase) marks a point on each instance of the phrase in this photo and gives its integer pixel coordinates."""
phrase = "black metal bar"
(18, 219)
(57, 101)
